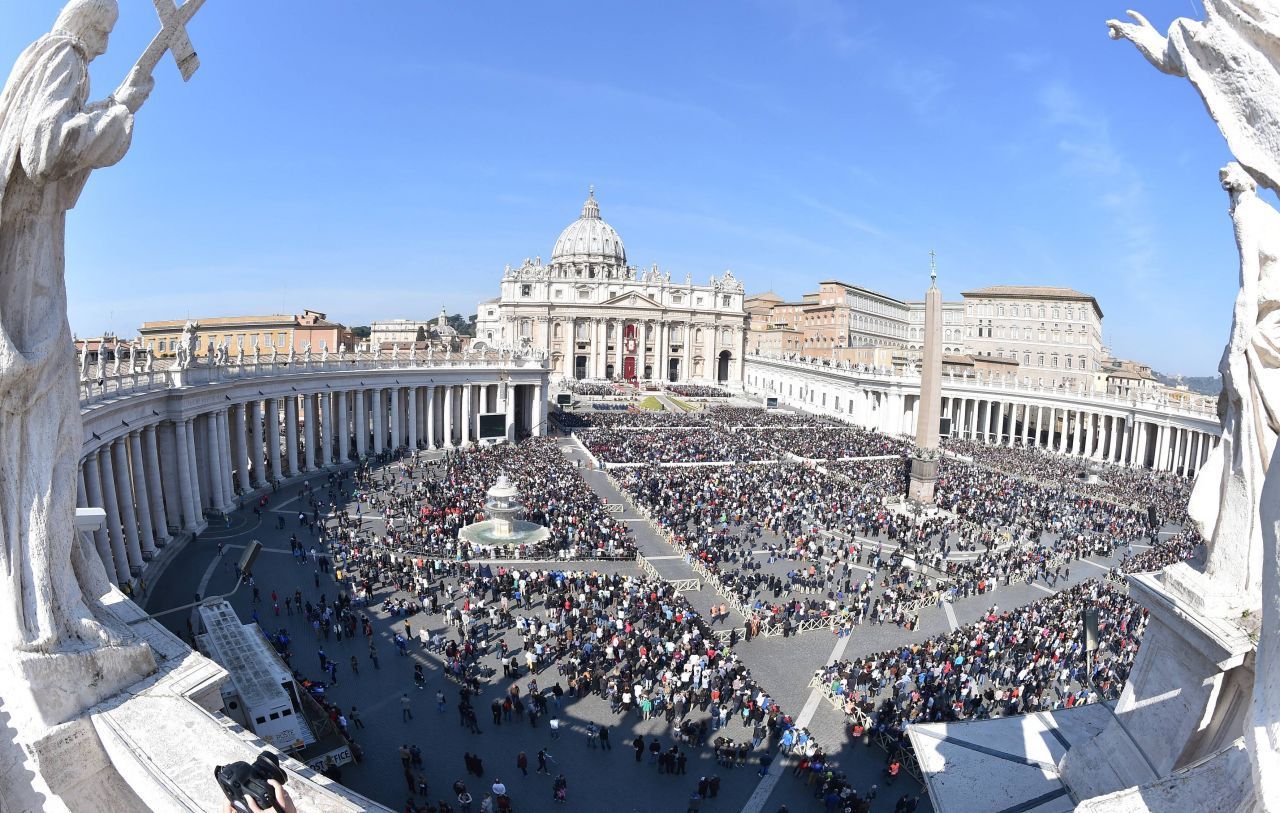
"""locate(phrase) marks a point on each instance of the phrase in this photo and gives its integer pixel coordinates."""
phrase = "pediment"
(632, 299)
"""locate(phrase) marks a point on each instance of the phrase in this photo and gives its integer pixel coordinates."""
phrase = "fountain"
(505, 527)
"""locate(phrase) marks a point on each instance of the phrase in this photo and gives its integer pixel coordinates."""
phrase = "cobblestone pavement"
(597, 780)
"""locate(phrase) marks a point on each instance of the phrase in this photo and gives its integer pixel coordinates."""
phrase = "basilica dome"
(589, 240)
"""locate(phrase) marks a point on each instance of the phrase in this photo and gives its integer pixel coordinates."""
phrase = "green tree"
(421, 335)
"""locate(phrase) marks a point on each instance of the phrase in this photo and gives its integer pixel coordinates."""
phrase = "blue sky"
(381, 159)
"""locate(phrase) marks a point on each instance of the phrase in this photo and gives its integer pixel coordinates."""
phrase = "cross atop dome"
(591, 209)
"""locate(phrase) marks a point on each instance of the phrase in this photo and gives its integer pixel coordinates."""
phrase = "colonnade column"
(412, 413)
(343, 429)
(124, 499)
(213, 473)
(1129, 453)
(397, 440)
(362, 423)
(142, 501)
(155, 486)
(1089, 435)
(93, 493)
(999, 432)
(257, 454)
(188, 484)
(327, 424)
(448, 416)
(239, 446)
(273, 437)
(291, 433)
(431, 417)
(379, 407)
(309, 433)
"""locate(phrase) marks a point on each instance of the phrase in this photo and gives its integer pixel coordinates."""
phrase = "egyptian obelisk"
(924, 458)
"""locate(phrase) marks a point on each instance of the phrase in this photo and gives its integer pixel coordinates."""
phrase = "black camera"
(240, 779)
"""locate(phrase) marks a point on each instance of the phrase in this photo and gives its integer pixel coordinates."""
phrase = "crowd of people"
(1029, 659)
(697, 391)
(792, 545)
(425, 505)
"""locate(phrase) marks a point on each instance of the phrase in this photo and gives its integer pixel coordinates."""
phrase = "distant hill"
(1203, 384)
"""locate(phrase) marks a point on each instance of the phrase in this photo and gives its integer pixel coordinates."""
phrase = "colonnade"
(1157, 436)
(159, 479)
(1105, 436)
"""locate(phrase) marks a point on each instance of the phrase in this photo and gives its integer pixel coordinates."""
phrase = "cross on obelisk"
(172, 38)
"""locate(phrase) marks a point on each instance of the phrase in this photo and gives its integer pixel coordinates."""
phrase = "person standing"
(522, 762)
(406, 708)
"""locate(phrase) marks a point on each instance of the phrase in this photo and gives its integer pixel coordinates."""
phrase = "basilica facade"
(597, 318)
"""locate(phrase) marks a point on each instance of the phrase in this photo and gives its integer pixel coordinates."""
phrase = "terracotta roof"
(223, 321)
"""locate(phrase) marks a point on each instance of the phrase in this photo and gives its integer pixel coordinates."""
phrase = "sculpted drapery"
(50, 140)
(1233, 60)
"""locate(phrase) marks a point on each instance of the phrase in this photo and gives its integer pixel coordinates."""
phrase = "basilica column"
(511, 412)
(92, 474)
(539, 411)
(124, 497)
(291, 433)
(618, 326)
(686, 369)
(448, 416)
(112, 506)
(138, 466)
(431, 417)
(155, 486)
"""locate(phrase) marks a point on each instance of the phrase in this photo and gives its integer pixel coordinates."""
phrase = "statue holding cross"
(51, 138)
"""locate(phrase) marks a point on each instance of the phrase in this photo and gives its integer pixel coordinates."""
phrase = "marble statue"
(148, 361)
(275, 353)
(84, 362)
(187, 345)
(1232, 58)
(51, 139)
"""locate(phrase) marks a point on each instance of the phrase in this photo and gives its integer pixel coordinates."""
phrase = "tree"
(421, 335)
(360, 331)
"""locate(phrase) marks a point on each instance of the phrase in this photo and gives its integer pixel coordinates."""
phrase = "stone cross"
(172, 38)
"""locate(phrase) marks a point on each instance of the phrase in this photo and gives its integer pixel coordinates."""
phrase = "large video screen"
(493, 425)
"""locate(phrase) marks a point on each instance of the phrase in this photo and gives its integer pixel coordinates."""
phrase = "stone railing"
(991, 386)
(115, 380)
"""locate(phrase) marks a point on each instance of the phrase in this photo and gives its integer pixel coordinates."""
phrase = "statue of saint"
(51, 138)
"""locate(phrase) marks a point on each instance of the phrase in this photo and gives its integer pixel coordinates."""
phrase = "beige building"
(596, 317)
(278, 331)
(842, 321)
(1054, 334)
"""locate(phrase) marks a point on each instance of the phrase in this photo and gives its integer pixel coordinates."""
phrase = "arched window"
(555, 330)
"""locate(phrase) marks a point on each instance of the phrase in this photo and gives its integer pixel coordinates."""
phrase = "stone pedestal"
(924, 476)
(1187, 698)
